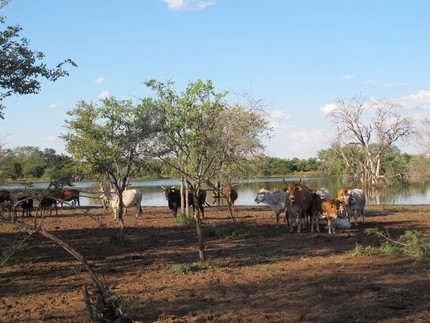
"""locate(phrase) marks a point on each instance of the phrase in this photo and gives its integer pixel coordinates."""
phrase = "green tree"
(208, 138)
(109, 139)
(20, 67)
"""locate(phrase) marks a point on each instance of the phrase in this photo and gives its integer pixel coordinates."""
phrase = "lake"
(247, 190)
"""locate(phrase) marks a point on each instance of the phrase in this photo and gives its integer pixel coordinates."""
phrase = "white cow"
(129, 198)
(354, 202)
(276, 200)
(323, 193)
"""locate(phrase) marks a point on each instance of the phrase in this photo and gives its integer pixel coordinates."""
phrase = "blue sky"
(297, 57)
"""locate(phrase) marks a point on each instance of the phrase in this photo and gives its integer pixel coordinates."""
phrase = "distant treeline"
(32, 164)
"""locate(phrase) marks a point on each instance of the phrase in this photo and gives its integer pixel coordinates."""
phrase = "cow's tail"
(207, 204)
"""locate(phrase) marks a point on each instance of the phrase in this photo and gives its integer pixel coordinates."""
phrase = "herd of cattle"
(299, 203)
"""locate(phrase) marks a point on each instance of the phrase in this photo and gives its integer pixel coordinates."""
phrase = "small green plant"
(184, 218)
(364, 251)
(271, 255)
(194, 267)
(110, 307)
(116, 239)
(389, 248)
(410, 243)
(273, 268)
(241, 230)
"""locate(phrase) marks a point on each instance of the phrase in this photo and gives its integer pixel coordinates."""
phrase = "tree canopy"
(20, 67)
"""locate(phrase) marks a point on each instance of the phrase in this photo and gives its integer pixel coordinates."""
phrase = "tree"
(204, 138)
(365, 132)
(109, 139)
(19, 68)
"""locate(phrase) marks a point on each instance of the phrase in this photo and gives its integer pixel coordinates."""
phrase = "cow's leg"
(299, 222)
(277, 220)
(138, 211)
(362, 214)
(293, 222)
(355, 217)
(202, 209)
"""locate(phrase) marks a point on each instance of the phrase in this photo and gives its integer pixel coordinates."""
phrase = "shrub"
(364, 251)
(194, 267)
(184, 218)
(410, 243)
(241, 230)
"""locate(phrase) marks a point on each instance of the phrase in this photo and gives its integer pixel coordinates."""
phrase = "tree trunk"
(202, 254)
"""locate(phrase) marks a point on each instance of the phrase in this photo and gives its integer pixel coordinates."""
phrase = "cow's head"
(261, 196)
(292, 188)
(333, 208)
(349, 200)
(168, 191)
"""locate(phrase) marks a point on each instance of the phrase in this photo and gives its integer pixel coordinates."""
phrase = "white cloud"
(306, 140)
(100, 80)
(183, 5)
(53, 106)
(280, 115)
(421, 99)
(51, 138)
(371, 82)
(348, 77)
(328, 108)
(395, 84)
(103, 94)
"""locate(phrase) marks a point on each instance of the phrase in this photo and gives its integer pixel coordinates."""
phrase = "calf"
(231, 197)
(301, 200)
(324, 209)
(277, 201)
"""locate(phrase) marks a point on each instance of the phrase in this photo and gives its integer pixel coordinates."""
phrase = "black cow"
(173, 196)
(26, 204)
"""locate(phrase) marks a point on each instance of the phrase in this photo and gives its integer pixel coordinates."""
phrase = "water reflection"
(247, 190)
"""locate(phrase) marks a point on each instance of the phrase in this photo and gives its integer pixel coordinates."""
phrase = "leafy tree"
(109, 139)
(20, 70)
(204, 138)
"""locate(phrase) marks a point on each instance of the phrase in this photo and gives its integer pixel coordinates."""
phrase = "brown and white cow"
(301, 200)
(324, 209)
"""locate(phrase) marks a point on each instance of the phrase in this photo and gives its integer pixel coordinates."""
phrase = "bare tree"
(365, 131)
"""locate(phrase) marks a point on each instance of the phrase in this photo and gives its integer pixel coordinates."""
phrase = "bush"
(184, 218)
(194, 267)
(364, 251)
(241, 230)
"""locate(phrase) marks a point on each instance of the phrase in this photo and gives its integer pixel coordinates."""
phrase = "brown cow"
(301, 200)
(231, 196)
(325, 209)
(71, 195)
(45, 203)
(6, 196)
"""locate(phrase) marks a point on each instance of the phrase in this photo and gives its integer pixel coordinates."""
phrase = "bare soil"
(275, 277)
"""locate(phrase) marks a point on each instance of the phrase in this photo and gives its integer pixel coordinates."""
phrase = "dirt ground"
(275, 277)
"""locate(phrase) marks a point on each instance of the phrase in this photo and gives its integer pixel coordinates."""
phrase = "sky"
(295, 57)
